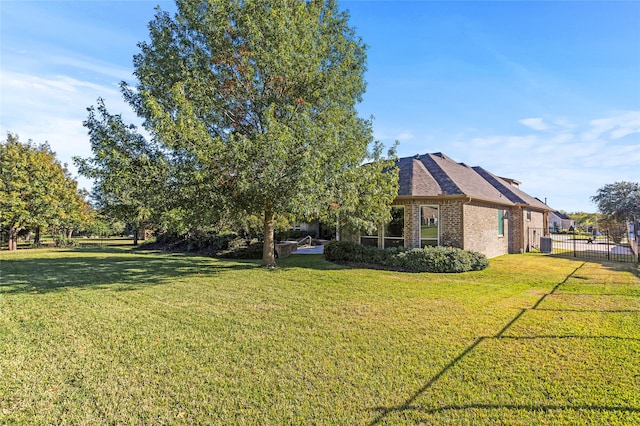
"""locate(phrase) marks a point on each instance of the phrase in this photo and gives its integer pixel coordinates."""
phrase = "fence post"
(608, 248)
(575, 250)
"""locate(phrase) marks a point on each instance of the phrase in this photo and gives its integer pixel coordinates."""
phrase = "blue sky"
(544, 92)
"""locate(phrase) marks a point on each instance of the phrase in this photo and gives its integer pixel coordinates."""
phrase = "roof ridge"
(501, 187)
(417, 163)
(446, 184)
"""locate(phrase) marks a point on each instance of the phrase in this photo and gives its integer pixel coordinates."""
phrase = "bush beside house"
(428, 259)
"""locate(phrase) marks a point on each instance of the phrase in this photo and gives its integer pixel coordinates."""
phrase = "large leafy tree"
(619, 203)
(36, 191)
(130, 174)
(259, 97)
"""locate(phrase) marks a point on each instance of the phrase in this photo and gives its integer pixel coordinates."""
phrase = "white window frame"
(437, 239)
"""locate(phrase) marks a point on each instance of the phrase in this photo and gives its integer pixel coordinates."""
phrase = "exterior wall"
(451, 223)
(537, 222)
(411, 222)
(481, 230)
(516, 230)
(520, 224)
(471, 226)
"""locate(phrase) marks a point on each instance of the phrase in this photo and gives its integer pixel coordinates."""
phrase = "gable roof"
(436, 175)
(561, 215)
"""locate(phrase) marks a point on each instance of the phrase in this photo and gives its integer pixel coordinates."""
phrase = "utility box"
(545, 244)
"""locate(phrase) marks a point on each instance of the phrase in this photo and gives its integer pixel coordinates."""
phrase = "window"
(394, 231)
(501, 222)
(429, 226)
(369, 238)
(528, 214)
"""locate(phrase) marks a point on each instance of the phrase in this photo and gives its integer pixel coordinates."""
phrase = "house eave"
(534, 208)
(465, 198)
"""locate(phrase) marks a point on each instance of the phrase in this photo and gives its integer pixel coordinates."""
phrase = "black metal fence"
(600, 246)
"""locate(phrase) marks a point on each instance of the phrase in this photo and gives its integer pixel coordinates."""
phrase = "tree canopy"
(36, 191)
(258, 98)
(129, 173)
(619, 201)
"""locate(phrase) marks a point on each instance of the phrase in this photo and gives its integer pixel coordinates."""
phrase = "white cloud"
(392, 135)
(566, 163)
(534, 123)
(92, 65)
(615, 126)
(52, 108)
(561, 138)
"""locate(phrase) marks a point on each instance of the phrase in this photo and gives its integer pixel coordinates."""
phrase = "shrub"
(340, 251)
(428, 259)
(434, 259)
(240, 248)
(478, 261)
(210, 242)
(199, 241)
(168, 238)
(61, 240)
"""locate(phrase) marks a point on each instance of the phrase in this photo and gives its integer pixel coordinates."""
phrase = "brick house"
(442, 202)
(560, 222)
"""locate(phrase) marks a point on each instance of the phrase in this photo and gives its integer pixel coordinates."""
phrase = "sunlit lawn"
(48, 241)
(113, 336)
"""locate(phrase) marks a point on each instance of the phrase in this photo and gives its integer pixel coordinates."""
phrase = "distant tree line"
(37, 193)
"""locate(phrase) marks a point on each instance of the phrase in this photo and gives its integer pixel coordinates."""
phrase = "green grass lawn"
(47, 240)
(114, 336)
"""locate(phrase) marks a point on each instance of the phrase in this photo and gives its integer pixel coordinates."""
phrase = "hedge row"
(428, 259)
(227, 245)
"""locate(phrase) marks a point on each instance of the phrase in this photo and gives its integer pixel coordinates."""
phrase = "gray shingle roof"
(434, 175)
(561, 215)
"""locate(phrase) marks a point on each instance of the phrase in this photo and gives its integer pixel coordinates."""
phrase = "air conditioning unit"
(545, 244)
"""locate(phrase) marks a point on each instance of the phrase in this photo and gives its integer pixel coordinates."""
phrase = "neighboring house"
(442, 202)
(559, 222)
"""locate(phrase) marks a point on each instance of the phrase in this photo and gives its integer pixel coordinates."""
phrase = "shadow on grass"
(613, 265)
(409, 403)
(309, 261)
(97, 267)
(531, 407)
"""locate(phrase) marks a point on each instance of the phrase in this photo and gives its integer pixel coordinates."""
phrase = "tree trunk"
(69, 233)
(36, 239)
(13, 238)
(268, 248)
(135, 236)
